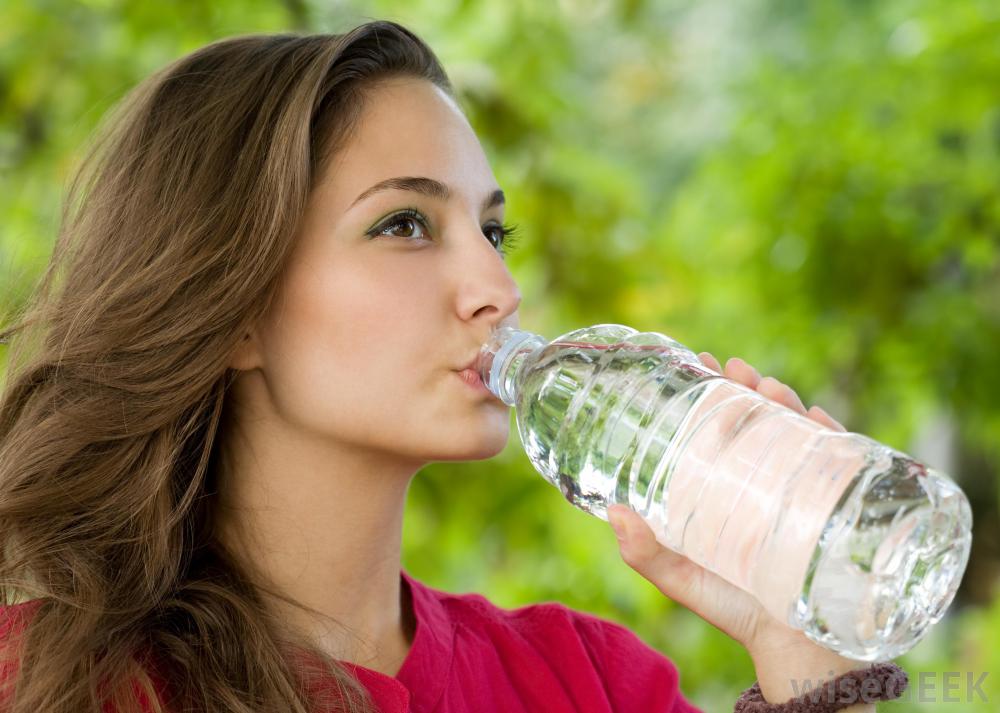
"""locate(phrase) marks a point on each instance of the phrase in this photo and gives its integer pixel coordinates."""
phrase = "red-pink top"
(471, 655)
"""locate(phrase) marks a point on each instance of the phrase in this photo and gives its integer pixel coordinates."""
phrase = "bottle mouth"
(496, 357)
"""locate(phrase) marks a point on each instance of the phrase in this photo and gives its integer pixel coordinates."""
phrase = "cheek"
(346, 349)
(386, 324)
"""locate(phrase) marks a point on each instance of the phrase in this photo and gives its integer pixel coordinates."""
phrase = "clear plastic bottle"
(853, 542)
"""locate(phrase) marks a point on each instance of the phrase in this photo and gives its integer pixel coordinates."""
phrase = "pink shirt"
(469, 655)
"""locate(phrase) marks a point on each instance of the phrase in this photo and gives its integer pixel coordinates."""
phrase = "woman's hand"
(781, 654)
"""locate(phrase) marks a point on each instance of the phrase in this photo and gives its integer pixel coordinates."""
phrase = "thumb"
(637, 543)
(722, 604)
(672, 573)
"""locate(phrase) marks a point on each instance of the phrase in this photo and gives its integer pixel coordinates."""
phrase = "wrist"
(788, 664)
(853, 692)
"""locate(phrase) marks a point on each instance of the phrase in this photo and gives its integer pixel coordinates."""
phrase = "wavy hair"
(173, 236)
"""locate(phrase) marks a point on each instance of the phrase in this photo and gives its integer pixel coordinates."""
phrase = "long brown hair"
(173, 236)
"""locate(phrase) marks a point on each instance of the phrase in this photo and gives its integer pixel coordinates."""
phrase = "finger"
(669, 571)
(744, 373)
(637, 540)
(816, 413)
(740, 371)
(710, 361)
(717, 601)
(782, 393)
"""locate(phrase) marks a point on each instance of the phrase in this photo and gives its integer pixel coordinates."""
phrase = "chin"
(475, 445)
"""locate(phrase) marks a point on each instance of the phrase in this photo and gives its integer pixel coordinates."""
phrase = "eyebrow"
(425, 186)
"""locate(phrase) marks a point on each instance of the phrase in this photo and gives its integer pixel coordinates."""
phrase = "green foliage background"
(814, 187)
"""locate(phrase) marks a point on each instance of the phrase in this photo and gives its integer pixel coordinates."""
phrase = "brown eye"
(505, 237)
(497, 235)
(405, 224)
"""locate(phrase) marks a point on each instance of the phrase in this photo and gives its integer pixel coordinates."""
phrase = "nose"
(487, 291)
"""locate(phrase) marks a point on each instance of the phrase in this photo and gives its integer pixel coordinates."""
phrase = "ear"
(246, 356)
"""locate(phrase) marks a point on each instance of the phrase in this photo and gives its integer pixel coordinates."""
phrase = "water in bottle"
(851, 541)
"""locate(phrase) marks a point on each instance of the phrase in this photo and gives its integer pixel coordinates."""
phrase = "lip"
(474, 381)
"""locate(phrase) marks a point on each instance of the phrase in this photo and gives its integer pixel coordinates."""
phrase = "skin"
(349, 385)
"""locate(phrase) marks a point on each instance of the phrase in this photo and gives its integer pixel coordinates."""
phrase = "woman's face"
(366, 339)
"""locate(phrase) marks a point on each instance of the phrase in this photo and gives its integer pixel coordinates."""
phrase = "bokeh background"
(814, 187)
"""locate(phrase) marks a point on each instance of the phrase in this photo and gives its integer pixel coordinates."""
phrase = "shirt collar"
(428, 662)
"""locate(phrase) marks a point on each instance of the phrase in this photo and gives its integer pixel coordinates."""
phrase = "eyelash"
(508, 239)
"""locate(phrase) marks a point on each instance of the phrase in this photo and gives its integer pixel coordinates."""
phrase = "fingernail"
(617, 526)
(837, 424)
(750, 367)
(704, 356)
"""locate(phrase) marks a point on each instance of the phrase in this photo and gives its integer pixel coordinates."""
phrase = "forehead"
(410, 127)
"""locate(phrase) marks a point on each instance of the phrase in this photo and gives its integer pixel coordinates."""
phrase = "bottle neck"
(501, 358)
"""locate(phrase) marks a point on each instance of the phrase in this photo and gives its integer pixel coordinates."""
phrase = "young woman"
(272, 268)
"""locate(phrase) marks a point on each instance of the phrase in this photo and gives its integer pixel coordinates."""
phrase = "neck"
(322, 523)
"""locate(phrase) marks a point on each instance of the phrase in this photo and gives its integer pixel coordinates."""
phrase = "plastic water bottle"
(856, 544)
